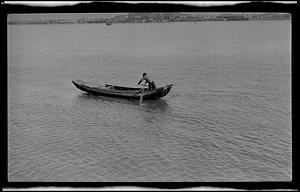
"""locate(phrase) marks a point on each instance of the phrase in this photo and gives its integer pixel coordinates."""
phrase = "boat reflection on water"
(159, 105)
(151, 111)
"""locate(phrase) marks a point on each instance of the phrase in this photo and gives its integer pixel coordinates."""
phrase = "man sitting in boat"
(151, 84)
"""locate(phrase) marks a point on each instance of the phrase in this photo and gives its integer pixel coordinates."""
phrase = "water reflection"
(155, 112)
(152, 111)
(152, 106)
(159, 105)
(154, 103)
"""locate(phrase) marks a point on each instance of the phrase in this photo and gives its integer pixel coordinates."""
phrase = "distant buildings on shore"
(162, 18)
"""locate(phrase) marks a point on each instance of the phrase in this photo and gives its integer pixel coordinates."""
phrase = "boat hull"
(123, 92)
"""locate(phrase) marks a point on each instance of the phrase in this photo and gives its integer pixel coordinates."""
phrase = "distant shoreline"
(144, 23)
(159, 18)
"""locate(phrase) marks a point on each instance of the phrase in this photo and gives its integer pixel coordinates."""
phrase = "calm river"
(228, 117)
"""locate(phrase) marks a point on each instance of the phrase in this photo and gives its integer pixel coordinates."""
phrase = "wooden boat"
(123, 92)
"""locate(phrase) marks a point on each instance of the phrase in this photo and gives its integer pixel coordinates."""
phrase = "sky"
(196, 3)
(45, 3)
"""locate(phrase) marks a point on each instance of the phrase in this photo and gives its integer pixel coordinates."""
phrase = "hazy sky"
(200, 3)
(46, 3)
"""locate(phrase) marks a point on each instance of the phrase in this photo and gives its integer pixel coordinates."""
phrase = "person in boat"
(151, 84)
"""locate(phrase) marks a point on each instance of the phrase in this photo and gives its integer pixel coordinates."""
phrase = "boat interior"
(113, 87)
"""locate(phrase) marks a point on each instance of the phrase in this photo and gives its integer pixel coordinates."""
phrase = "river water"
(228, 117)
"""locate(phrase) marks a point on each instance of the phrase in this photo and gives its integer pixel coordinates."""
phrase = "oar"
(139, 91)
(136, 93)
(141, 97)
(142, 91)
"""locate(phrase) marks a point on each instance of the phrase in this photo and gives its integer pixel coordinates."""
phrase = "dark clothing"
(151, 85)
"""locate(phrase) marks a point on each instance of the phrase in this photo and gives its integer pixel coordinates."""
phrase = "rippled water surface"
(228, 117)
